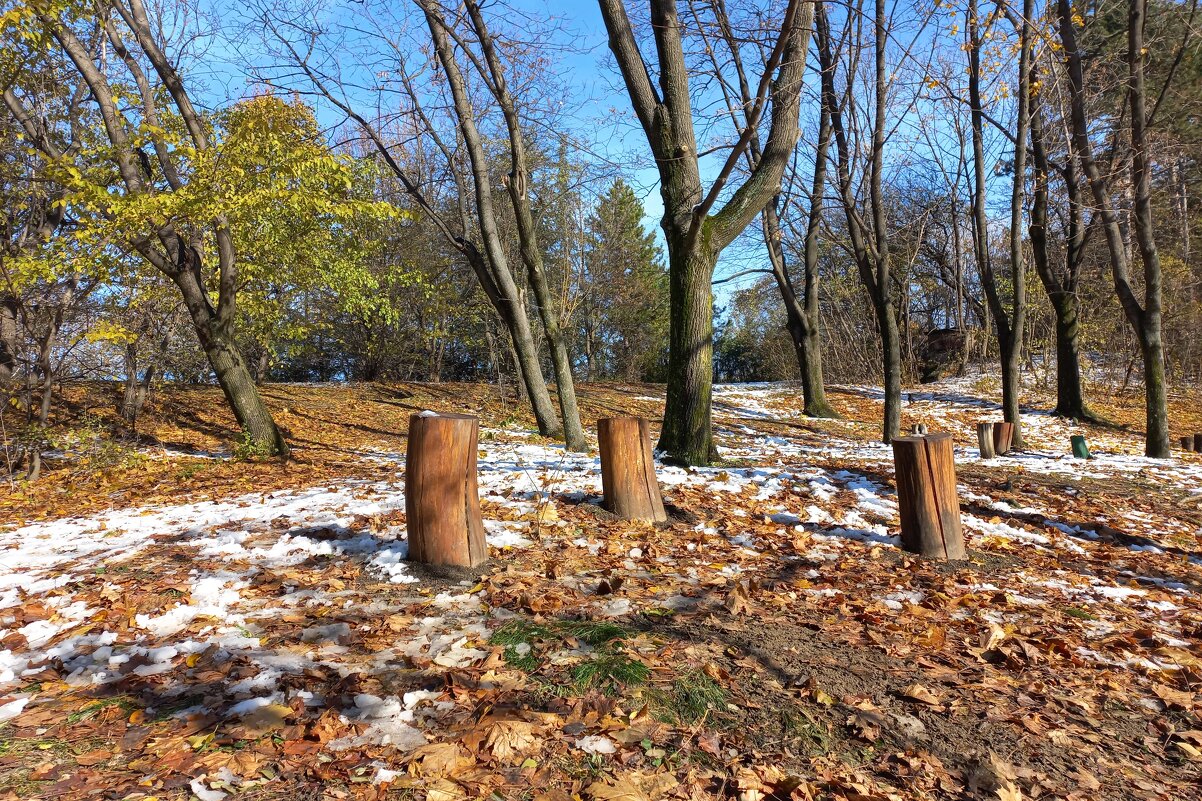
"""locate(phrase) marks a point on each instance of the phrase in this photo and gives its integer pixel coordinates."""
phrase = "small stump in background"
(628, 469)
(918, 429)
(442, 504)
(926, 496)
(985, 440)
(1187, 443)
(1198, 443)
(1003, 437)
(1080, 448)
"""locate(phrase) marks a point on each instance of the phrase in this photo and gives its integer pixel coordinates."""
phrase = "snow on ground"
(831, 495)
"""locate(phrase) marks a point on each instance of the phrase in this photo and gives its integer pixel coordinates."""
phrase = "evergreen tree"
(625, 320)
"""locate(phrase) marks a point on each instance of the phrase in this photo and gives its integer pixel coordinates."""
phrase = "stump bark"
(1003, 437)
(926, 496)
(985, 440)
(442, 504)
(1187, 443)
(628, 469)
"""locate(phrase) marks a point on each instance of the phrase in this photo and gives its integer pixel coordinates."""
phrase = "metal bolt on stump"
(926, 496)
(442, 503)
(628, 469)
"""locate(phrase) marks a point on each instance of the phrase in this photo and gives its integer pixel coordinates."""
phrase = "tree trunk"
(8, 338)
(231, 369)
(687, 433)
(891, 362)
(628, 469)
(442, 503)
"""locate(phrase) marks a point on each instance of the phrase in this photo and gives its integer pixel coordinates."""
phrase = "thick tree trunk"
(687, 432)
(1070, 395)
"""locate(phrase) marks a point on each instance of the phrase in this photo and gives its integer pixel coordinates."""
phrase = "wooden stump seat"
(442, 503)
(926, 496)
(628, 469)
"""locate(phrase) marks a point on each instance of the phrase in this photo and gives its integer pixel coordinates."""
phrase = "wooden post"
(985, 440)
(1187, 443)
(628, 469)
(442, 504)
(926, 496)
(1003, 437)
(1080, 448)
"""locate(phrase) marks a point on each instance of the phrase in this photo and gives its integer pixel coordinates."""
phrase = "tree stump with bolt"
(628, 469)
(1003, 437)
(985, 440)
(442, 504)
(926, 496)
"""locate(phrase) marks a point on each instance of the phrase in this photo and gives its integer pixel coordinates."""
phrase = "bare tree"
(1008, 324)
(1144, 317)
(696, 234)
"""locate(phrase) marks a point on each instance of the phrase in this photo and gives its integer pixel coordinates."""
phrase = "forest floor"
(176, 621)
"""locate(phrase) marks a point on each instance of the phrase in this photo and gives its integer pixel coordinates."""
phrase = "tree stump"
(1187, 443)
(1003, 437)
(1198, 443)
(926, 496)
(918, 429)
(985, 440)
(1080, 448)
(628, 469)
(442, 504)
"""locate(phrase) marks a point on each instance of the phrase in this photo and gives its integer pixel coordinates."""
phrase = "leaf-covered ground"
(175, 622)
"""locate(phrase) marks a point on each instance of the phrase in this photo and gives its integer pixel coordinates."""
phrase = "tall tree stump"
(628, 469)
(926, 496)
(1187, 443)
(1003, 437)
(985, 440)
(442, 504)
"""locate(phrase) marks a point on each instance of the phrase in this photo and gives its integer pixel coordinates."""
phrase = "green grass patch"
(1078, 613)
(607, 669)
(692, 697)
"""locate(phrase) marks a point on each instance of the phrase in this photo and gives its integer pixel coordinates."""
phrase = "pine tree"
(625, 317)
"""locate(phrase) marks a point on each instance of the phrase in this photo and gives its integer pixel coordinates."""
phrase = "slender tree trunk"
(1009, 326)
(1145, 319)
(1148, 324)
(891, 363)
(8, 338)
(528, 245)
